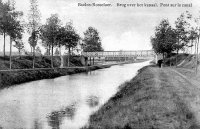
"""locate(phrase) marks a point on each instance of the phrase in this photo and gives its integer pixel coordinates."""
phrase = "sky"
(120, 28)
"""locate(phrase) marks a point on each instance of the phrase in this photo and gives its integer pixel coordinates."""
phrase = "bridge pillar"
(61, 62)
(156, 58)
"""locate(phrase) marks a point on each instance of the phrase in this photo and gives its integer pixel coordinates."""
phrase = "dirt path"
(187, 88)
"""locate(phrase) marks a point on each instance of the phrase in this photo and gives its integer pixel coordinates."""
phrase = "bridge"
(92, 58)
(139, 53)
(119, 55)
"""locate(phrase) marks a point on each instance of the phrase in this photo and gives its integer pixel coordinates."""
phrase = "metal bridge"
(139, 53)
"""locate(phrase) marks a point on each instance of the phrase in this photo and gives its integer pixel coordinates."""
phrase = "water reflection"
(65, 102)
(92, 101)
(56, 117)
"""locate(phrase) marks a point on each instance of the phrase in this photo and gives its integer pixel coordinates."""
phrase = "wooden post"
(93, 60)
(61, 61)
(86, 61)
(90, 60)
(10, 53)
(197, 53)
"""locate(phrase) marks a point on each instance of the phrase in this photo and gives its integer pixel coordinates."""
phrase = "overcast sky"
(120, 28)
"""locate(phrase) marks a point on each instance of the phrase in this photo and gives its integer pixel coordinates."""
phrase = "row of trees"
(185, 34)
(10, 24)
(52, 34)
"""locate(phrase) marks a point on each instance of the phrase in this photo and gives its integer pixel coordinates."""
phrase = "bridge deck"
(119, 53)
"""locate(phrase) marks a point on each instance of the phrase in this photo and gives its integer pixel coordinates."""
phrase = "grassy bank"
(26, 62)
(43, 69)
(148, 101)
(23, 72)
(9, 78)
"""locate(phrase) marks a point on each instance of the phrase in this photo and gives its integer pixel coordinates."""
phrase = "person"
(160, 63)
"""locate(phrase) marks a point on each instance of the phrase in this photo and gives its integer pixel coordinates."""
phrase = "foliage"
(33, 26)
(60, 36)
(46, 53)
(9, 21)
(49, 32)
(56, 52)
(33, 39)
(71, 38)
(92, 40)
(33, 17)
(182, 31)
(164, 39)
(19, 45)
(38, 50)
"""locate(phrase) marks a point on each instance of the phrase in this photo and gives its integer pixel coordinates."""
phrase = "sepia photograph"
(99, 64)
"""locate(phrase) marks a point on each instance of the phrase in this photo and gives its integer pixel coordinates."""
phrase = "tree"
(192, 36)
(14, 27)
(43, 36)
(182, 32)
(60, 37)
(70, 39)
(92, 40)
(46, 53)
(38, 50)
(19, 45)
(197, 21)
(165, 38)
(5, 16)
(49, 32)
(56, 52)
(33, 26)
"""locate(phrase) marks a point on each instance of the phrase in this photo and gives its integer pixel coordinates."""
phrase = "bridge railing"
(119, 53)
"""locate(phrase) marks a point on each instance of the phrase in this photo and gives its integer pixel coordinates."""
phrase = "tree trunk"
(177, 57)
(49, 50)
(60, 49)
(197, 55)
(192, 42)
(68, 57)
(163, 56)
(31, 50)
(4, 45)
(33, 57)
(10, 53)
(170, 62)
(177, 53)
(61, 59)
(52, 55)
(19, 54)
(195, 48)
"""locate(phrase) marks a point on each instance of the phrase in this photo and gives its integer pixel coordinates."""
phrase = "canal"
(62, 103)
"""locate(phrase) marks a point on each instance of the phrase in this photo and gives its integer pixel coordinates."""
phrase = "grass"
(145, 102)
(8, 78)
(25, 62)
(183, 60)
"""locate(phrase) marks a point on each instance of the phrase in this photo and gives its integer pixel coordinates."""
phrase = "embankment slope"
(149, 101)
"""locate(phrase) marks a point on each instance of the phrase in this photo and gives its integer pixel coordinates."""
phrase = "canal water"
(62, 103)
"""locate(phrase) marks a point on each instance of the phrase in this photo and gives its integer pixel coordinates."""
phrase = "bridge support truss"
(119, 55)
